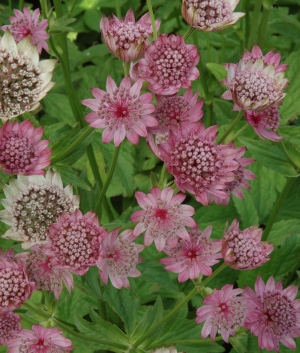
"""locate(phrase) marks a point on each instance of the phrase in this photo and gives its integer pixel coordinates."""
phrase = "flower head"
(257, 82)
(169, 64)
(242, 249)
(191, 257)
(273, 315)
(75, 241)
(15, 287)
(211, 15)
(24, 81)
(9, 326)
(21, 151)
(198, 164)
(163, 217)
(39, 340)
(25, 24)
(171, 349)
(44, 268)
(32, 203)
(265, 122)
(127, 39)
(119, 256)
(224, 312)
(121, 111)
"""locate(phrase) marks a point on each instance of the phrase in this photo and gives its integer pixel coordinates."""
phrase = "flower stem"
(98, 209)
(263, 26)
(239, 132)
(126, 68)
(254, 24)
(276, 208)
(149, 4)
(21, 5)
(118, 9)
(190, 31)
(178, 306)
(232, 126)
(162, 176)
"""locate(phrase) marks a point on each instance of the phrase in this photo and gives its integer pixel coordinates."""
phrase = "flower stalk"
(232, 126)
(149, 4)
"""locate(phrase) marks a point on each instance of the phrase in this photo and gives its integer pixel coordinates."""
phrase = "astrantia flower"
(75, 240)
(210, 15)
(39, 340)
(127, 39)
(25, 24)
(242, 249)
(162, 217)
(21, 151)
(224, 312)
(198, 164)
(265, 122)
(9, 326)
(171, 349)
(32, 203)
(273, 314)
(24, 81)
(44, 268)
(191, 257)
(256, 83)
(169, 64)
(121, 111)
(15, 286)
(119, 257)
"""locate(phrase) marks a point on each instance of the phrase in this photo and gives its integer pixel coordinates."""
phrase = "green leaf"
(283, 229)
(237, 345)
(292, 151)
(247, 209)
(92, 18)
(69, 176)
(217, 70)
(270, 156)
(97, 51)
(57, 106)
(61, 25)
(92, 280)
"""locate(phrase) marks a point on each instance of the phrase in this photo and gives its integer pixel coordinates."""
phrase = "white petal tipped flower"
(32, 204)
(24, 80)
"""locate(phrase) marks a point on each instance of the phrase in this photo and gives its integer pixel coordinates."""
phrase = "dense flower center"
(161, 214)
(20, 84)
(12, 287)
(126, 34)
(121, 111)
(36, 207)
(268, 118)
(16, 153)
(9, 325)
(192, 251)
(170, 112)
(210, 12)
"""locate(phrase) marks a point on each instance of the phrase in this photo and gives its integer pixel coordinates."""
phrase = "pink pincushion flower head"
(256, 82)
(273, 315)
(191, 257)
(127, 39)
(24, 24)
(223, 312)
(169, 64)
(9, 326)
(211, 15)
(198, 164)
(119, 256)
(21, 150)
(122, 112)
(162, 217)
(242, 249)
(39, 340)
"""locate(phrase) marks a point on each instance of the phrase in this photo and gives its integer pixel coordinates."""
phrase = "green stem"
(118, 9)
(21, 5)
(44, 8)
(263, 27)
(149, 4)
(208, 46)
(10, 5)
(126, 68)
(162, 176)
(101, 303)
(98, 209)
(209, 112)
(239, 132)
(203, 78)
(190, 31)
(232, 126)
(178, 306)
(254, 24)
(276, 208)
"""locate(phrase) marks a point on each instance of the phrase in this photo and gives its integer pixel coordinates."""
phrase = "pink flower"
(21, 150)
(9, 326)
(257, 82)
(169, 64)
(75, 241)
(163, 217)
(43, 268)
(119, 257)
(121, 111)
(25, 24)
(211, 15)
(241, 176)
(199, 165)
(273, 315)
(265, 122)
(191, 257)
(242, 249)
(224, 312)
(15, 287)
(127, 39)
(174, 113)
(39, 340)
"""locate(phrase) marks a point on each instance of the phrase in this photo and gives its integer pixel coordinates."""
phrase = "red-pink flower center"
(268, 118)
(25, 31)
(171, 111)
(113, 254)
(121, 111)
(161, 214)
(192, 252)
